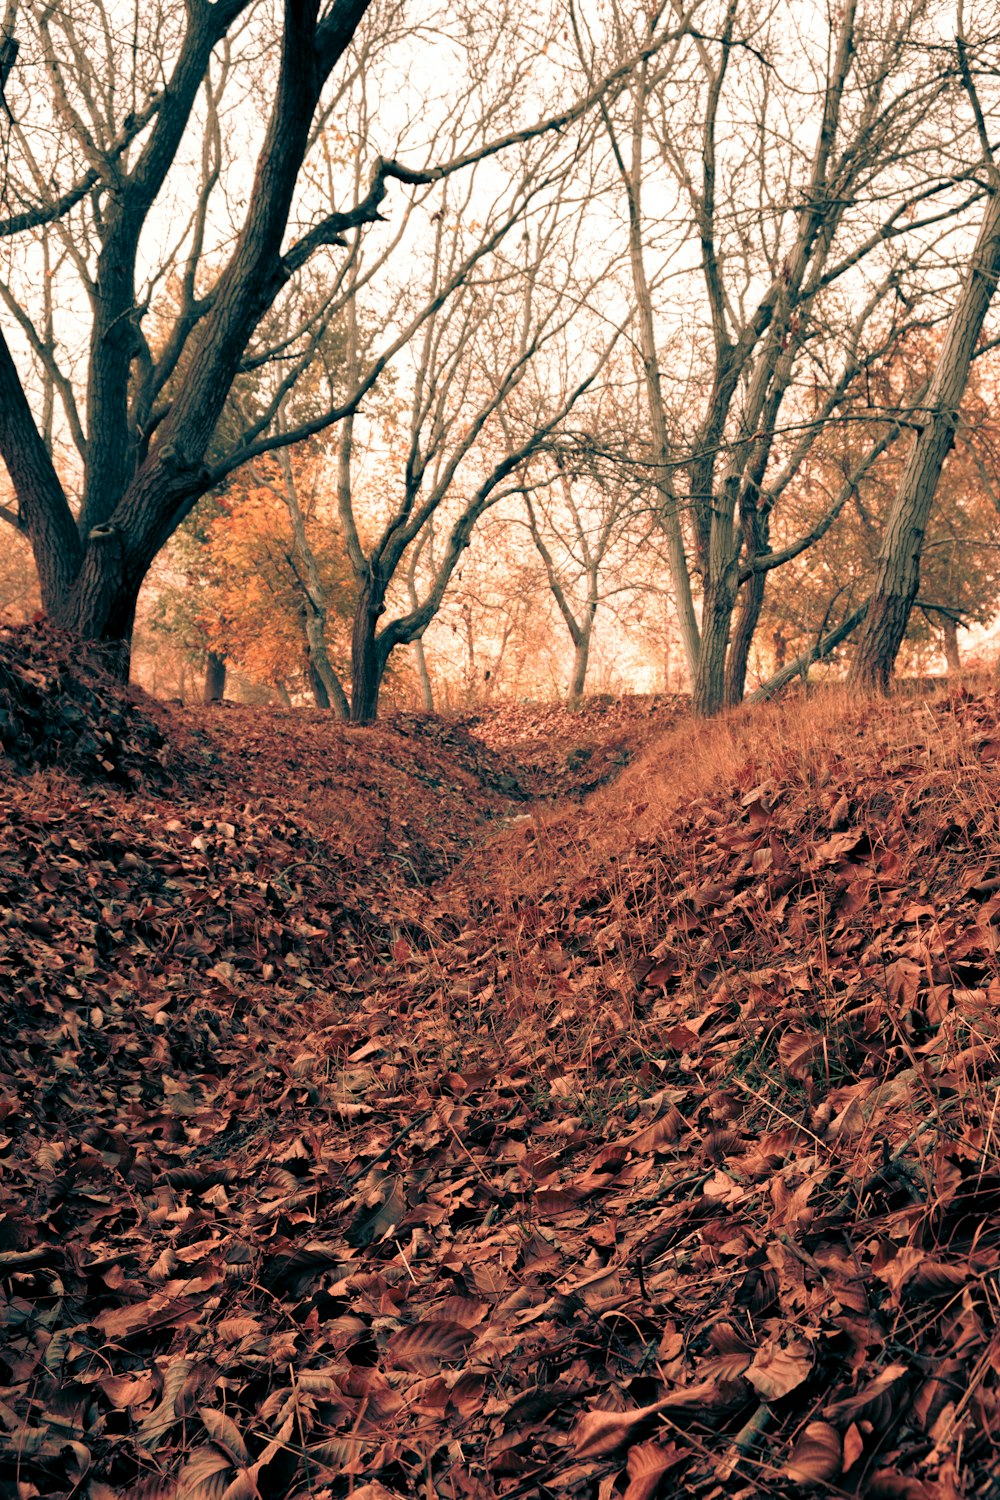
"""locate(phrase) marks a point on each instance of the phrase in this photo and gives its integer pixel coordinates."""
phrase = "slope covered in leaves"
(563, 752)
(649, 1151)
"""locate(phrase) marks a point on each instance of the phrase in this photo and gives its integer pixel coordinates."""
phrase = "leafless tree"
(897, 574)
(483, 398)
(116, 157)
(800, 180)
(589, 519)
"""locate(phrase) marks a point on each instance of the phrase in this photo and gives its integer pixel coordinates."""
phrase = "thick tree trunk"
(100, 605)
(708, 696)
(897, 572)
(367, 659)
(215, 677)
(949, 633)
(747, 616)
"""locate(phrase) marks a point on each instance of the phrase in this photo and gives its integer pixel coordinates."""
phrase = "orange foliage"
(254, 606)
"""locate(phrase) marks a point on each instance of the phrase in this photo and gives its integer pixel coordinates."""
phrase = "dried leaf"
(647, 1466)
(425, 1346)
(816, 1456)
(776, 1371)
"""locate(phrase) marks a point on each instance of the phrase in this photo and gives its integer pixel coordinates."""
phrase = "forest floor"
(378, 1117)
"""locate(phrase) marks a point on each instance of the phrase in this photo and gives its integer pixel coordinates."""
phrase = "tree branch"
(816, 652)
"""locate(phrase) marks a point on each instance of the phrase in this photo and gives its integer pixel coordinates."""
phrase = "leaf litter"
(641, 1148)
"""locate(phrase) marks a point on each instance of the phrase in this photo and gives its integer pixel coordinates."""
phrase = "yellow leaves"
(253, 594)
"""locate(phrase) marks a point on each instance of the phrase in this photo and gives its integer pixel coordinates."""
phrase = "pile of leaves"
(57, 706)
(564, 752)
(650, 1151)
(406, 795)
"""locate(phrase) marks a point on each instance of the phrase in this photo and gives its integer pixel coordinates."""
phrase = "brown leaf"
(854, 1446)
(424, 1346)
(877, 1402)
(800, 1051)
(224, 1431)
(600, 1432)
(816, 1456)
(647, 1465)
(775, 1371)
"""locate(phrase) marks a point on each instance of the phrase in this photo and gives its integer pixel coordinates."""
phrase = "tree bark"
(321, 672)
(747, 616)
(368, 658)
(581, 661)
(321, 697)
(949, 633)
(721, 585)
(897, 574)
(215, 677)
(426, 689)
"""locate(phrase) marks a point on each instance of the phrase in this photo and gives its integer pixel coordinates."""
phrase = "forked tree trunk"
(897, 572)
(215, 677)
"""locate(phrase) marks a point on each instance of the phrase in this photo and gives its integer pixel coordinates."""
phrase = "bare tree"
(804, 209)
(111, 131)
(897, 575)
(588, 520)
(483, 398)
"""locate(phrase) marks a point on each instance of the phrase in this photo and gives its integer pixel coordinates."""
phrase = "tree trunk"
(897, 572)
(747, 617)
(426, 690)
(581, 661)
(320, 666)
(100, 606)
(367, 659)
(721, 586)
(708, 696)
(320, 695)
(949, 632)
(215, 677)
